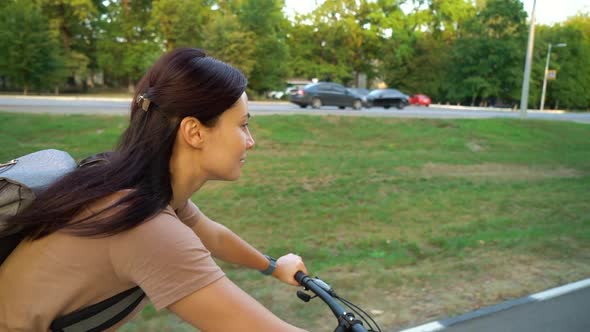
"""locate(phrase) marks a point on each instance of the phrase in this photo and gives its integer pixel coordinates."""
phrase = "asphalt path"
(120, 106)
(563, 308)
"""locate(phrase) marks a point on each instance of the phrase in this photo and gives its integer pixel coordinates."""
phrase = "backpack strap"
(95, 159)
(100, 316)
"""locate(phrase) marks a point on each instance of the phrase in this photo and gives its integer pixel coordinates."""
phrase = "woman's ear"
(192, 131)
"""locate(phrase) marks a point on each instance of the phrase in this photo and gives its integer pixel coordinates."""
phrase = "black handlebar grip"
(299, 276)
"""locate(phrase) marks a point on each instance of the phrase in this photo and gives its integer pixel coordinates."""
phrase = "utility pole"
(524, 98)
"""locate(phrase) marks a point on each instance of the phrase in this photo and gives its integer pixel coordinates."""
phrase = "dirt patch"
(314, 184)
(474, 147)
(434, 290)
(497, 171)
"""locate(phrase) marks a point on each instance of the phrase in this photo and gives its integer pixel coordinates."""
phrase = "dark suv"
(328, 94)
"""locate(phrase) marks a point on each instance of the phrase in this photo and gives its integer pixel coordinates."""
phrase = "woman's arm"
(223, 306)
(229, 247)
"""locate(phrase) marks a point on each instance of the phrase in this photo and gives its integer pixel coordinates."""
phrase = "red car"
(420, 100)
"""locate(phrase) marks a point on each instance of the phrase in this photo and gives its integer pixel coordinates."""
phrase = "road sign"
(551, 74)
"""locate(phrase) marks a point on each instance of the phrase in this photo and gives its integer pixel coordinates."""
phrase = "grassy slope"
(414, 219)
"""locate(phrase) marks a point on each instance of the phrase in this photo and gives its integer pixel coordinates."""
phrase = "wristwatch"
(271, 267)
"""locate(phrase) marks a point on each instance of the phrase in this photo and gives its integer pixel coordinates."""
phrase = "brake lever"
(303, 296)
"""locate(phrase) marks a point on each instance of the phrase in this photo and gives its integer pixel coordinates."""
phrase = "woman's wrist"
(272, 266)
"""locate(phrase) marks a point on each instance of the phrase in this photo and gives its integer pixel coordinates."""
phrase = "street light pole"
(524, 97)
(546, 72)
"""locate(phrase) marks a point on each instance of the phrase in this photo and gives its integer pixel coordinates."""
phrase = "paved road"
(565, 313)
(85, 105)
(563, 308)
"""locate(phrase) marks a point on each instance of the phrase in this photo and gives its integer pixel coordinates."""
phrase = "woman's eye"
(245, 125)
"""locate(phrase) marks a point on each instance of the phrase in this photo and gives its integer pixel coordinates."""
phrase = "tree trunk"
(66, 36)
(130, 85)
(26, 89)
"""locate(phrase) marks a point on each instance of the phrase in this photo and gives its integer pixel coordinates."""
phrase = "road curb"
(125, 99)
(499, 109)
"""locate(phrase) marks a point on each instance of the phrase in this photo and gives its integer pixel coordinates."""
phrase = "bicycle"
(346, 320)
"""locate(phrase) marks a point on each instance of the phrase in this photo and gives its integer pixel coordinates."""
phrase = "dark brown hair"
(184, 82)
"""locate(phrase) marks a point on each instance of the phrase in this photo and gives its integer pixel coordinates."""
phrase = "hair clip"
(143, 102)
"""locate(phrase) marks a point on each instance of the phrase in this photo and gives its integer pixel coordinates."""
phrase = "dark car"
(321, 94)
(360, 91)
(420, 100)
(387, 98)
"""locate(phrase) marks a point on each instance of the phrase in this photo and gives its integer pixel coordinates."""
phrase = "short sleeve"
(189, 214)
(165, 258)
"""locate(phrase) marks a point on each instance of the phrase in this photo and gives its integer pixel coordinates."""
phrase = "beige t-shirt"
(60, 273)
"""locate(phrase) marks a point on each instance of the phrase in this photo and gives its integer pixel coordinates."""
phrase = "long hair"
(184, 82)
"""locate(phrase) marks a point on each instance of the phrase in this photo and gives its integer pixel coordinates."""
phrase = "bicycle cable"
(362, 314)
(324, 291)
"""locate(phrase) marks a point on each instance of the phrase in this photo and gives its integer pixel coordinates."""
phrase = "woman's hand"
(287, 266)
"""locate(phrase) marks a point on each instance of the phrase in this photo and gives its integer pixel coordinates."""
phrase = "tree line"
(456, 51)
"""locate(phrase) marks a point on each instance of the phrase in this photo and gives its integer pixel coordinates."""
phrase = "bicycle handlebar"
(346, 320)
(305, 281)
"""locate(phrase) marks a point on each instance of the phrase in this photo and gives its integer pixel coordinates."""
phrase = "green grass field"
(411, 219)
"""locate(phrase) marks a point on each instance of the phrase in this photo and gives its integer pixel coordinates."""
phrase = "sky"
(547, 12)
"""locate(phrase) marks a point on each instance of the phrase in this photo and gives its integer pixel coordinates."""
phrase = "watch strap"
(271, 267)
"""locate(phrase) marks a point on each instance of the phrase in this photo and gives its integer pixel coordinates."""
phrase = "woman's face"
(230, 138)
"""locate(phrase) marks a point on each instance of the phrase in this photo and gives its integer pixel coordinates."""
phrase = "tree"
(397, 34)
(426, 68)
(229, 42)
(313, 53)
(570, 89)
(487, 58)
(265, 20)
(74, 23)
(127, 45)
(181, 22)
(29, 53)
(445, 18)
(338, 41)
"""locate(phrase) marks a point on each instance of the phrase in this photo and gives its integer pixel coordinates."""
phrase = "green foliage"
(459, 51)
(180, 22)
(427, 68)
(445, 18)
(29, 54)
(486, 58)
(125, 47)
(74, 24)
(337, 42)
(265, 20)
(227, 41)
(570, 89)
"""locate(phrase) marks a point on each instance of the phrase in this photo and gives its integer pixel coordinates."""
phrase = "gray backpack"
(21, 179)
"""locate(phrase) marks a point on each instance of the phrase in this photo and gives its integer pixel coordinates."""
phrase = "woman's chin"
(233, 177)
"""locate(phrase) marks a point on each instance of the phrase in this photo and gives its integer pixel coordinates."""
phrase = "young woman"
(130, 221)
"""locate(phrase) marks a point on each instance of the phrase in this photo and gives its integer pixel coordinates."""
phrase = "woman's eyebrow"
(247, 115)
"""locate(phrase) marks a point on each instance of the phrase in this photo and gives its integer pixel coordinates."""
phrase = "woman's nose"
(249, 141)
